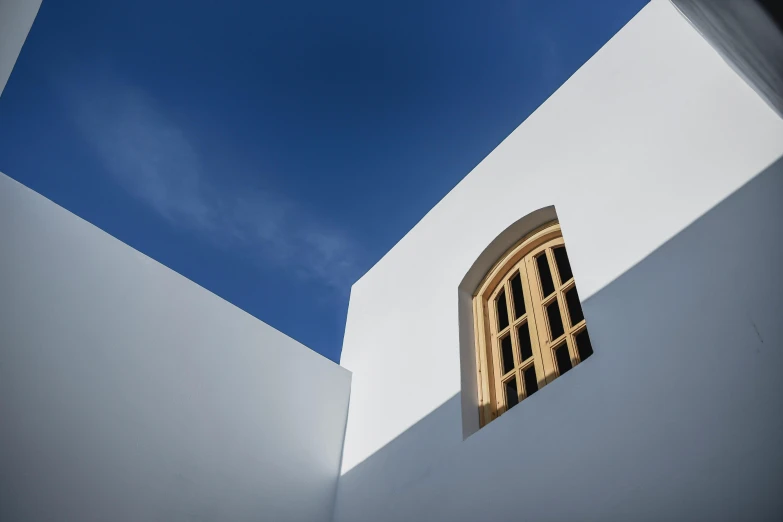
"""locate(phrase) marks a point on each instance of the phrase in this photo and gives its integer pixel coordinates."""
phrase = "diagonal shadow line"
(691, 265)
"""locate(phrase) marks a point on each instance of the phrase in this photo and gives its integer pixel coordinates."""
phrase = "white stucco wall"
(677, 416)
(654, 131)
(16, 18)
(129, 393)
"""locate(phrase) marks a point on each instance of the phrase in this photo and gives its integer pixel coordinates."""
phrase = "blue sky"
(272, 152)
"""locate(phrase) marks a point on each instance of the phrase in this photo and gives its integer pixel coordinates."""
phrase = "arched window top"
(529, 324)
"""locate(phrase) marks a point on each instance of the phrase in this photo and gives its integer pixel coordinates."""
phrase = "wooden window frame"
(521, 258)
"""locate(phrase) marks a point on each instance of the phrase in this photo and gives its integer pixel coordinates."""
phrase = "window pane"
(563, 358)
(531, 384)
(547, 285)
(563, 266)
(775, 10)
(574, 307)
(512, 399)
(555, 321)
(516, 294)
(502, 308)
(508, 354)
(525, 348)
(583, 345)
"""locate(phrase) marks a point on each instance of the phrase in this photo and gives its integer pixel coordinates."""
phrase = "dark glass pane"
(502, 311)
(775, 10)
(531, 384)
(525, 348)
(516, 294)
(508, 354)
(583, 345)
(563, 266)
(574, 307)
(512, 399)
(563, 358)
(547, 285)
(555, 321)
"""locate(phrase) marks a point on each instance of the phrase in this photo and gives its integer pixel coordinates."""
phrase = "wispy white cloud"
(152, 157)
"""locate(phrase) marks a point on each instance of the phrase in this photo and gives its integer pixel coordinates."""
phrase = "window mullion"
(500, 397)
(512, 329)
(537, 324)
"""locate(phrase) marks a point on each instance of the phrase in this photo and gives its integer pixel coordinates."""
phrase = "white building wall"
(654, 131)
(16, 18)
(129, 393)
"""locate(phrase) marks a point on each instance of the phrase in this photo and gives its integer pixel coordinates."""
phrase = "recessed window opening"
(530, 327)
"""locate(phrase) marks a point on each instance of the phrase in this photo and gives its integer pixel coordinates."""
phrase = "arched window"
(529, 324)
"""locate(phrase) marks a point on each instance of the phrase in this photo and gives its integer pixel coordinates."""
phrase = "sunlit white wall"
(652, 132)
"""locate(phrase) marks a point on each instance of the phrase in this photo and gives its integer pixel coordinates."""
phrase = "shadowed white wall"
(128, 392)
(16, 18)
(748, 38)
(677, 416)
